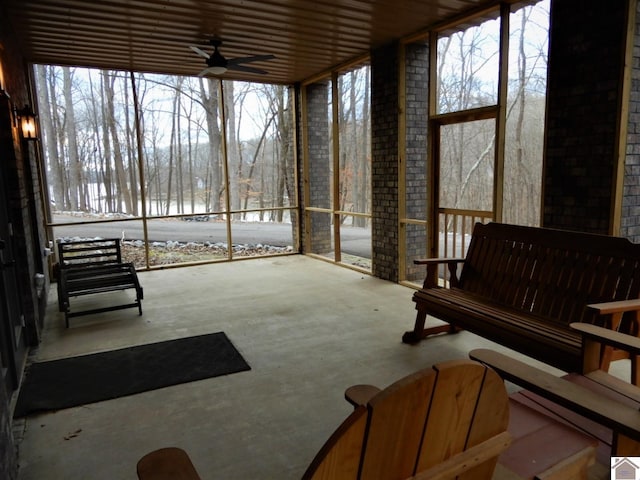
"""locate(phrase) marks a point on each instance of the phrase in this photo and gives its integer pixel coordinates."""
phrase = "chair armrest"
(134, 277)
(598, 341)
(431, 280)
(622, 419)
(360, 394)
(428, 261)
(466, 460)
(621, 306)
(617, 309)
(609, 337)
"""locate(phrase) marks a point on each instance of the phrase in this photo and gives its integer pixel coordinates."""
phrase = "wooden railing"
(455, 228)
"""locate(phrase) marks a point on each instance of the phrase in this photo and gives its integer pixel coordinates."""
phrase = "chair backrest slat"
(89, 253)
(417, 423)
(394, 440)
(339, 458)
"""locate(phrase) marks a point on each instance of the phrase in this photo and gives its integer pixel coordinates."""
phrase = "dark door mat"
(74, 381)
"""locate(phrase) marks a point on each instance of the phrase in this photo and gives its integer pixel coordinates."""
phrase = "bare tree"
(123, 194)
(131, 154)
(48, 112)
(174, 149)
(526, 108)
(362, 172)
(94, 114)
(234, 165)
(285, 132)
(467, 148)
(354, 141)
(76, 181)
(213, 183)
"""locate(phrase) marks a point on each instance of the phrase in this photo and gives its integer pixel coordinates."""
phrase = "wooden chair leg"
(415, 335)
(605, 358)
(167, 464)
(610, 354)
(419, 332)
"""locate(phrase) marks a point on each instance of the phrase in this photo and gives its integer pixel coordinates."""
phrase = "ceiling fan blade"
(200, 52)
(254, 58)
(204, 72)
(243, 68)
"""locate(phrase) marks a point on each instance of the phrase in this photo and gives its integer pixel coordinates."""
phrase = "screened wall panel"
(152, 148)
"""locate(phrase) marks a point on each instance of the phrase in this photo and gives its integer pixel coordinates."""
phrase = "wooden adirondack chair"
(445, 422)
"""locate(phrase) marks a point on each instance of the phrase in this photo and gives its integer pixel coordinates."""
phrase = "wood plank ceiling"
(307, 37)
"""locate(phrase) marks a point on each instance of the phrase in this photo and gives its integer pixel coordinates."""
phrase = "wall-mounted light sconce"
(27, 123)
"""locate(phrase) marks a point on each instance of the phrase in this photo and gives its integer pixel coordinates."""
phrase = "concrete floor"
(308, 329)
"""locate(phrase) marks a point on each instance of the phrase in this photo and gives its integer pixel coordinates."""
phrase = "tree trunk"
(210, 102)
(131, 141)
(97, 154)
(287, 157)
(122, 190)
(76, 196)
(106, 163)
(249, 178)
(234, 166)
(47, 114)
(364, 203)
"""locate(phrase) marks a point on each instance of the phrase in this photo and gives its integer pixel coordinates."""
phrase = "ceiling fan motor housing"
(216, 59)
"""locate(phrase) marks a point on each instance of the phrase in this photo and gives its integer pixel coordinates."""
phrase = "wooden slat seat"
(524, 332)
(522, 287)
(99, 279)
(596, 402)
(89, 267)
(620, 418)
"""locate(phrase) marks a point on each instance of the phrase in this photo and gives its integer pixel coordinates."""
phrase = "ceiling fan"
(217, 64)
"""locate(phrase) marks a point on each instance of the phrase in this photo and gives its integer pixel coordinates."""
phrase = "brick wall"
(384, 161)
(14, 85)
(585, 62)
(8, 460)
(630, 221)
(319, 157)
(19, 172)
(416, 181)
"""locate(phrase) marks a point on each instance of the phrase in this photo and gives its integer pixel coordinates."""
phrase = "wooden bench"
(586, 401)
(87, 267)
(522, 286)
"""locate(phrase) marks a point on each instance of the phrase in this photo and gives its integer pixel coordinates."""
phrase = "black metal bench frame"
(87, 267)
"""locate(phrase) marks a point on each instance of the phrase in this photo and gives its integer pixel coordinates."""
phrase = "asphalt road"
(354, 241)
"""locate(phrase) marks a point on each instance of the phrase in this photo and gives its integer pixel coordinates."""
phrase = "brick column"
(586, 56)
(384, 161)
(630, 221)
(319, 156)
(416, 181)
